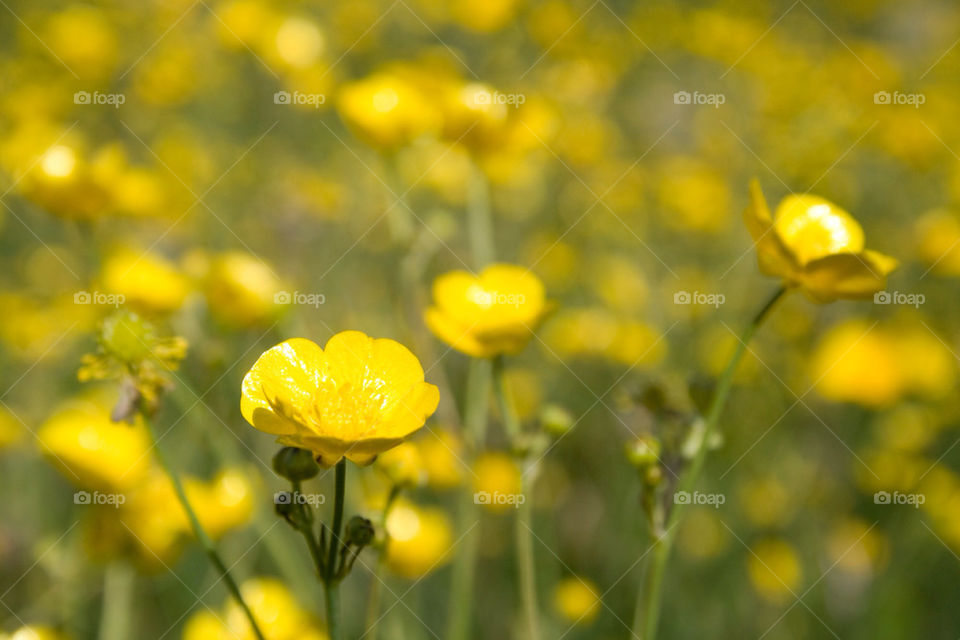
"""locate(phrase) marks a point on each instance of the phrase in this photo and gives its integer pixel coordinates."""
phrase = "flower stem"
(460, 603)
(331, 582)
(118, 582)
(198, 530)
(523, 530)
(645, 623)
(376, 586)
(479, 217)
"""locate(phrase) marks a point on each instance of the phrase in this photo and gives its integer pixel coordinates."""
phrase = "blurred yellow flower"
(386, 110)
(490, 314)
(242, 290)
(11, 432)
(93, 451)
(441, 452)
(576, 600)
(403, 465)
(66, 184)
(274, 607)
(939, 242)
(497, 481)
(474, 115)
(419, 539)
(83, 37)
(147, 282)
(357, 397)
(855, 546)
(33, 632)
(774, 569)
(814, 245)
(483, 15)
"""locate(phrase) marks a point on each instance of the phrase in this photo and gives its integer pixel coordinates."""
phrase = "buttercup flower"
(490, 314)
(816, 246)
(576, 600)
(355, 398)
(386, 110)
(420, 539)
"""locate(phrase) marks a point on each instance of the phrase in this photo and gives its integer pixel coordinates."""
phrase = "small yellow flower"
(775, 570)
(33, 632)
(242, 290)
(576, 600)
(816, 246)
(420, 539)
(403, 465)
(357, 397)
(497, 481)
(442, 454)
(386, 110)
(490, 314)
(146, 281)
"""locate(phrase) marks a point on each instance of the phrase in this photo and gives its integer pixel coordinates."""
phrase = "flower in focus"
(816, 246)
(386, 110)
(774, 569)
(489, 314)
(497, 481)
(276, 610)
(576, 600)
(355, 398)
(419, 539)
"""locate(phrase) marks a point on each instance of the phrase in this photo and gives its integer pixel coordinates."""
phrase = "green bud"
(556, 420)
(643, 452)
(359, 531)
(295, 464)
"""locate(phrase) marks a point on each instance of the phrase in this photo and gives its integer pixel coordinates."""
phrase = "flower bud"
(295, 464)
(643, 452)
(556, 420)
(359, 531)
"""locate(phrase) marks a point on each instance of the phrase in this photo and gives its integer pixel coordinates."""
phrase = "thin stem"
(376, 585)
(479, 217)
(460, 602)
(523, 529)
(198, 530)
(663, 543)
(331, 582)
(118, 582)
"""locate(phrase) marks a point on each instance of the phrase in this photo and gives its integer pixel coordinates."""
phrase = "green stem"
(331, 582)
(479, 217)
(118, 582)
(663, 541)
(198, 530)
(376, 586)
(460, 602)
(523, 523)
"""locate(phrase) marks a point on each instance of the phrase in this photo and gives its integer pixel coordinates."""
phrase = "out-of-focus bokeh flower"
(419, 539)
(938, 242)
(497, 481)
(596, 332)
(11, 431)
(775, 569)
(441, 452)
(34, 632)
(489, 314)
(357, 397)
(148, 282)
(387, 110)
(576, 600)
(242, 290)
(403, 465)
(816, 246)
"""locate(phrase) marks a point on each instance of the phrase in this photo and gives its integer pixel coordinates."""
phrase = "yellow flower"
(497, 481)
(357, 397)
(816, 246)
(386, 110)
(442, 454)
(33, 632)
(403, 465)
(92, 450)
(576, 600)
(774, 570)
(146, 281)
(487, 315)
(242, 290)
(419, 539)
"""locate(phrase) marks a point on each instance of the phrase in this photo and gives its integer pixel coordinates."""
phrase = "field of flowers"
(479, 319)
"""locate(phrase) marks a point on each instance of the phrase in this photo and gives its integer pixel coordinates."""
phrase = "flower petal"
(773, 256)
(846, 276)
(286, 373)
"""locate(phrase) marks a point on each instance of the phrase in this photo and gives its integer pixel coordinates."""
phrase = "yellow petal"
(812, 228)
(457, 335)
(288, 373)
(772, 255)
(846, 276)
